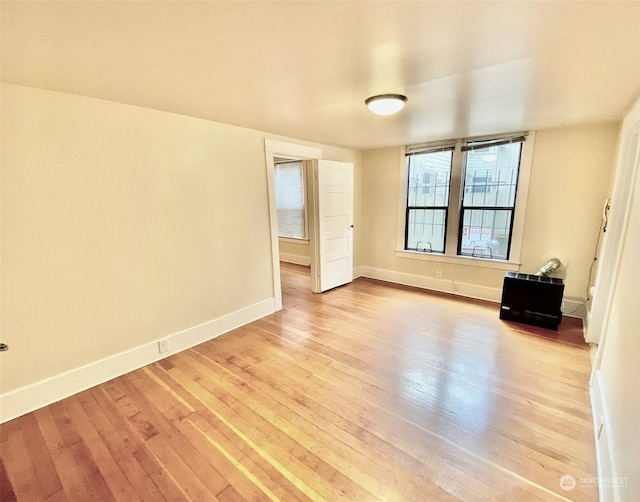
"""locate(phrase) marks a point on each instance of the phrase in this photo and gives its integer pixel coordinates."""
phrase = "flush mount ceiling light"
(386, 104)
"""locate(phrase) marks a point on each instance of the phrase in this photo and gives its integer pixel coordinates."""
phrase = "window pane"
(429, 176)
(491, 176)
(485, 233)
(289, 181)
(426, 229)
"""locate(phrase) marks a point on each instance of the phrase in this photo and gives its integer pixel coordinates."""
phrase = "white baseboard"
(575, 308)
(604, 452)
(32, 397)
(432, 283)
(295, 258)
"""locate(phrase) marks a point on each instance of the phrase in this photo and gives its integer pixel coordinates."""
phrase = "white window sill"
(293, 241)
(510, 266)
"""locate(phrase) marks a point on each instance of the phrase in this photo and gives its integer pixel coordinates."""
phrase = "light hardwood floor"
(367, 392)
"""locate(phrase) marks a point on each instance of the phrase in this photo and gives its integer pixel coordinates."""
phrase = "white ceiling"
(304, 69)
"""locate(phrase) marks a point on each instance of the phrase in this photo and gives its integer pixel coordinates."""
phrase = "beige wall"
(569, 181)
(122, 225)
(294, 248)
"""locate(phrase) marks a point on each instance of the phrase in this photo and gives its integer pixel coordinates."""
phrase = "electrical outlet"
(438, 273)
(163, 346)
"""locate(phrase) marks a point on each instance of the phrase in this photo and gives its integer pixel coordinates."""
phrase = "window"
(428, 199)
(461, 197)
(489, 199)
(290, 204)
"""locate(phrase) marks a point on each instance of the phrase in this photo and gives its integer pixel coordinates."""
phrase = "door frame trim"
(610, 253)
(276, 148)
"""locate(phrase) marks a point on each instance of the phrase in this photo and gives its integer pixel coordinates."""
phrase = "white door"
(335, 225)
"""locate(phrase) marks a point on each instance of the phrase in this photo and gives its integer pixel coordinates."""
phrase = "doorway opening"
(283, 152)
(293, 195)
(329, 213)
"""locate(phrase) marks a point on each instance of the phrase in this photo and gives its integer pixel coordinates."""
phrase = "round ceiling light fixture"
(386, 104)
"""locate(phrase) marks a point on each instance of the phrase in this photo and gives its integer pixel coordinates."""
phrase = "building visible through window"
(428, 200)
(486, 214)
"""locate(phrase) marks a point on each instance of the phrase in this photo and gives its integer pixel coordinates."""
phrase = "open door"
(334, 244)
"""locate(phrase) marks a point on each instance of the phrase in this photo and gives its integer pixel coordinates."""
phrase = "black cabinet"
(532, 299)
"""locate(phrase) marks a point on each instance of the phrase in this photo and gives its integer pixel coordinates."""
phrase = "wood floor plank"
(119, 448)
(415, 386)
(75, 452)
(524, 429)
(370, 391)
(307, 434)
(229, 494)
(351, 424)
(204, 470)
(323, 481)
(517, 456)
(146, 464)
(388, 465)
(232, 453)
(66, 464)
(57, 497)
(121, 488)
(22, 474)
(167, 448)
(45, 471)
(298, 354)
(6, 488)
(364, 357)
(242, 475)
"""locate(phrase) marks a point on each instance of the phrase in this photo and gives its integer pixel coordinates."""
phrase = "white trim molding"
(295, 259)
(432, 283)
(459, 260)
(32, 397)
(572, 307)
(575, 307)
(291, 150)
(605, 460)
(291, 240)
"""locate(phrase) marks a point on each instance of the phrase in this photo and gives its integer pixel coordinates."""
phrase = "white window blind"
(289, 177)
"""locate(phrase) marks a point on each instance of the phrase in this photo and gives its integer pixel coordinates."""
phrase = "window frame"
(496, 208)
(454, 211)
(408, 156)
